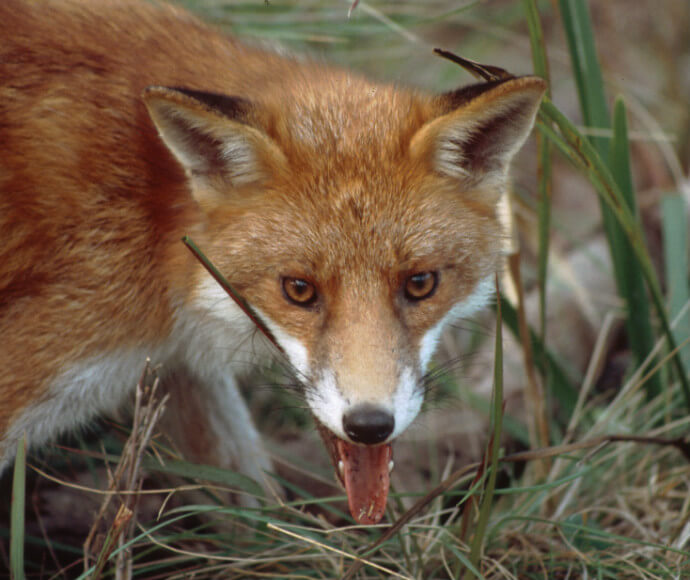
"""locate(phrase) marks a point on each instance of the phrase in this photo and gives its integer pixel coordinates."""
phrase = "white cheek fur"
(212, 297)
(295, 351)
(480, 297)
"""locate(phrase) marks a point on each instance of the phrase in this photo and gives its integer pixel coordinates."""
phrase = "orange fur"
(312, 173)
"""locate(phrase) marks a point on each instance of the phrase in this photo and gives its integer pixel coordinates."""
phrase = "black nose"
(368, 424)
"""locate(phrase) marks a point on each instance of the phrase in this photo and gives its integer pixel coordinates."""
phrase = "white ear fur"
(209, 136)
(487, 125)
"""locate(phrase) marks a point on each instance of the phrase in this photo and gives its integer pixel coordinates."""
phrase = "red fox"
(356, 218)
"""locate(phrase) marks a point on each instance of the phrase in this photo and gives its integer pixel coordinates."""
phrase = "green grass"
(17, 513)
(589, 505)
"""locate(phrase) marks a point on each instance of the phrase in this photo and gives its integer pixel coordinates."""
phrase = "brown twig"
(477, 70)
(127, 476)
(236, 296)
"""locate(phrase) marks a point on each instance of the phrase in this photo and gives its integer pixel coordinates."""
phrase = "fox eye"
(298, 291)
(421, 285)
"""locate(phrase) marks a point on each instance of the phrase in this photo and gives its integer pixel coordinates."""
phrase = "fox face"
(357, 222)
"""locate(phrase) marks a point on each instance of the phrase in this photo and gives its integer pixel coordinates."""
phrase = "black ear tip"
(235, 108)
(228, 106)
(459, 97)
(464, 95)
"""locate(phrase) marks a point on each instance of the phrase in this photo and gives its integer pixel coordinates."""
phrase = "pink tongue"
(366, 478)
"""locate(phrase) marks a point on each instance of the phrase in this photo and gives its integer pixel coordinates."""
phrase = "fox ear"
(479, 130)
(211, 136)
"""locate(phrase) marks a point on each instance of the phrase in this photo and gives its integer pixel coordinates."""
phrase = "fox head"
(357, 220)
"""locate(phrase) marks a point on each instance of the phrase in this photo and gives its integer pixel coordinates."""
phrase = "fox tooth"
(391, 465)
(341, 468)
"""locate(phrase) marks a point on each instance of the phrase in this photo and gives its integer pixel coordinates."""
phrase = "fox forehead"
(387, 226)
(344, 115)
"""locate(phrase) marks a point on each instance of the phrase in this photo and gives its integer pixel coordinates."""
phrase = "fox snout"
(364, 383)
(368, 424)
(370, 414)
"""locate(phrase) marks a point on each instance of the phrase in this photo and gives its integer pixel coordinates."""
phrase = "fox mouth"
(364, 472)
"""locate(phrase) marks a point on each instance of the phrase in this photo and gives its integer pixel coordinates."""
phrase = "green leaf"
(492, 454)
(586, 70)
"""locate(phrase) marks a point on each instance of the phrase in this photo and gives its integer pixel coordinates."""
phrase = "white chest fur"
(212, 348)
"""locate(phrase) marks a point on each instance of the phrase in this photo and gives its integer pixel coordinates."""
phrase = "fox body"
(356, 218)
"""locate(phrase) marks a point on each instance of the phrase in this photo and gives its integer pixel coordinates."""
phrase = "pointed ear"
(212, 136)
(479, 130)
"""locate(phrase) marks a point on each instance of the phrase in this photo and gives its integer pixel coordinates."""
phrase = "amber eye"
(298, 291)
(421, 285)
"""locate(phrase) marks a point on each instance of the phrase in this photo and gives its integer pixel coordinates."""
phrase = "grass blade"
(632, 288)
(544, 155)
(541, 68)
(17, 513)
(591, 94)
(219, 475)
(493, 451)
(677, 265)
(563, 387)
(586, 70)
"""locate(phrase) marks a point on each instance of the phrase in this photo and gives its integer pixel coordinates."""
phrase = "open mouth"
(364, 471)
